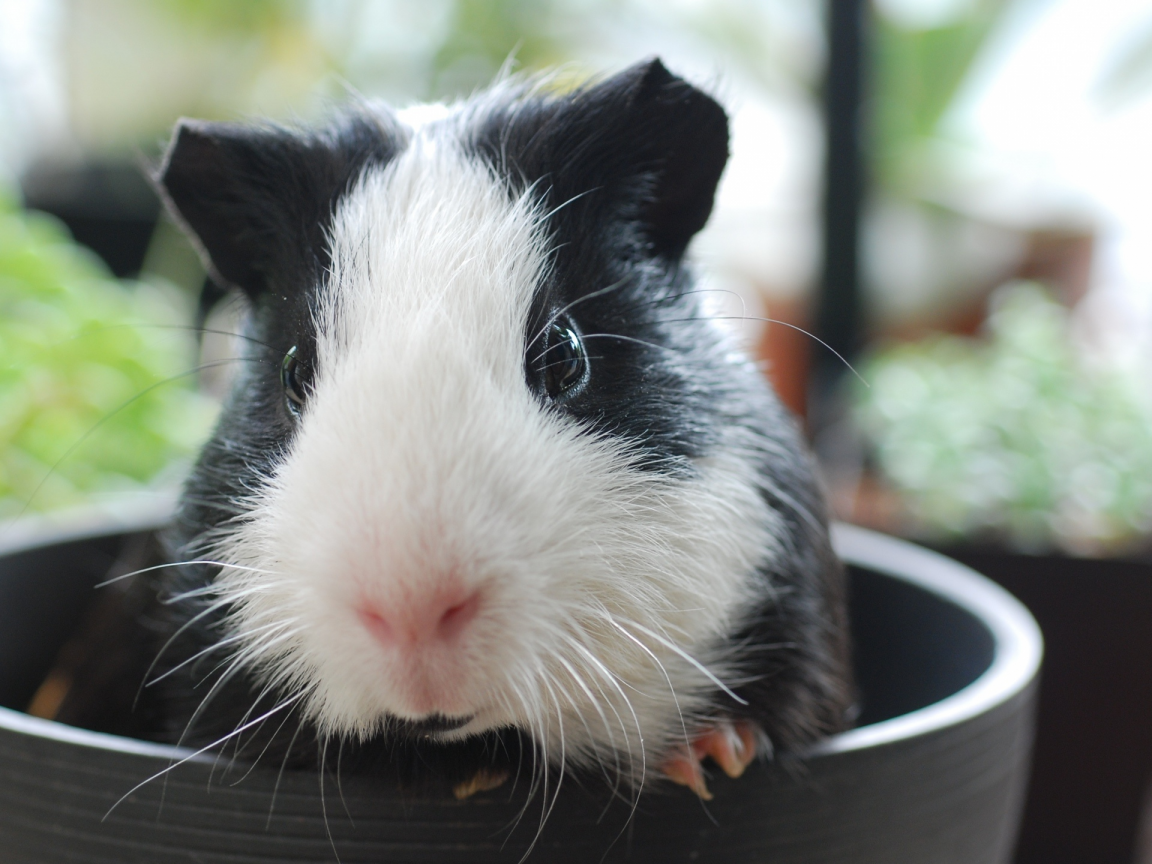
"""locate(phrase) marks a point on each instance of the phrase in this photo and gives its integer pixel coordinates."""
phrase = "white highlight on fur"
(423, 463)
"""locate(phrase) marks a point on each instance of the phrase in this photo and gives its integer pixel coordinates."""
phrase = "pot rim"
(1016, 636)
(1019, 646)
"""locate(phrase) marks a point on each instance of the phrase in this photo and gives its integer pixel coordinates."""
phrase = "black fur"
(627, 169)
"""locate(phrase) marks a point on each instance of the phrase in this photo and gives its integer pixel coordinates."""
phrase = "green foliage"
(917, 74)
(83, 410)
(237, 17)
(1016, 437)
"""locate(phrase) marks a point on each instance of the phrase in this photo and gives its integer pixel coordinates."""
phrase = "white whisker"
(197, 753)
(156, 567)
(672, 646)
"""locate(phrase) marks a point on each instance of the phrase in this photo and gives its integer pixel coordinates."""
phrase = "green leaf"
(83, 410)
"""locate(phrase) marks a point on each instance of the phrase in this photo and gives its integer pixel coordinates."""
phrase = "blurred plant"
(923, 220)
(1016, 437)
(250, 18)
(94, 395)
(917, 73)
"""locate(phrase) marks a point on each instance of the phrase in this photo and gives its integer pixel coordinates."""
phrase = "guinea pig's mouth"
(434, 724)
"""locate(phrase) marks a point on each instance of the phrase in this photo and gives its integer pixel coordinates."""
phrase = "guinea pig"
(490, 470)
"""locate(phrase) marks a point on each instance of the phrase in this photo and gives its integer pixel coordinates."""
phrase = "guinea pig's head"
(487, 463)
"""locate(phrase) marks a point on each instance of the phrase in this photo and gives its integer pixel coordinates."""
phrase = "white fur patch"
(423, 459)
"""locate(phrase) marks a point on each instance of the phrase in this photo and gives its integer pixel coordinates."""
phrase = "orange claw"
(730, 743)
(683, 766)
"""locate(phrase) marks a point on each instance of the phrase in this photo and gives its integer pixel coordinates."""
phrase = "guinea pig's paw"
(730, 743)
(482, 781)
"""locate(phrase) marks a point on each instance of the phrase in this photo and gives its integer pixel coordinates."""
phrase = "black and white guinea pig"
(490, 470)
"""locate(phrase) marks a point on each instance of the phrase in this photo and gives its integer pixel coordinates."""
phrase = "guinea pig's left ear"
(687, 133)
(645, 128)
(258, 198)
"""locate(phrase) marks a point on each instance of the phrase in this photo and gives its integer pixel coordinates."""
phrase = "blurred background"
(942, 206)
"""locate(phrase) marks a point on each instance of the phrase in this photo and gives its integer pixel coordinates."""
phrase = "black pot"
(1092, 766)
(936, 771)
(108, 205)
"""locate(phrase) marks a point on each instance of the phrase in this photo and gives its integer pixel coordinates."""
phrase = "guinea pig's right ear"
(258, 198)
(219, 180)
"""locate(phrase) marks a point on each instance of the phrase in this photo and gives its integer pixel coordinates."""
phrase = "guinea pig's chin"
(441, 727)
(416, 689)
(482, 721)
(380, 703)
(417, 699)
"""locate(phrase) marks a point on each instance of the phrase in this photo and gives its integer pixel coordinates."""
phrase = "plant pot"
(107, 204)
(936, 772)
(1092, 767)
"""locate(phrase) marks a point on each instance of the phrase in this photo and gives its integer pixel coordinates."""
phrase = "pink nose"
(431, 619)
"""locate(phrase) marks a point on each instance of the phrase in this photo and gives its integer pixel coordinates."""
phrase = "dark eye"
(564, 363)
(290, 379)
